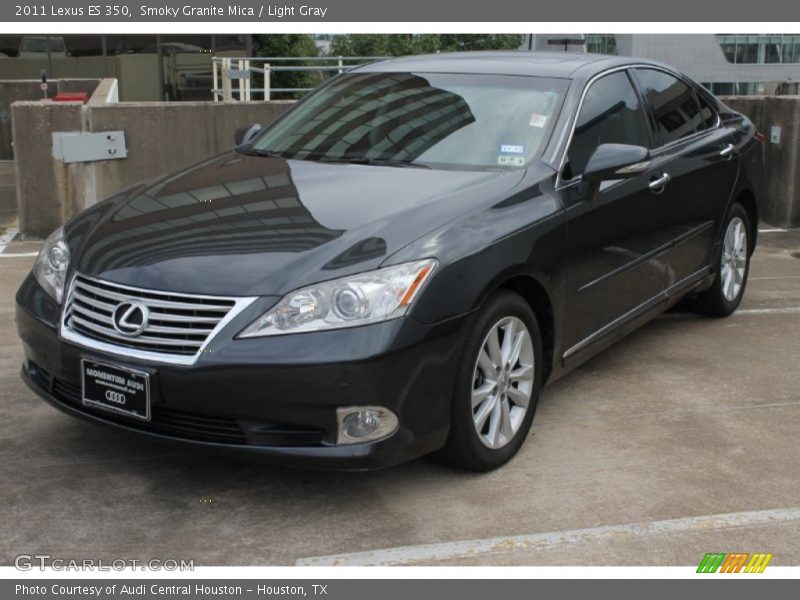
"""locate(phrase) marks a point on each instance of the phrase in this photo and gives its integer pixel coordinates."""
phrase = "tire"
(495, 444)
(725, 294)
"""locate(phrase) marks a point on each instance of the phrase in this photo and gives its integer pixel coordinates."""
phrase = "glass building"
(761, 49)
(727, 64)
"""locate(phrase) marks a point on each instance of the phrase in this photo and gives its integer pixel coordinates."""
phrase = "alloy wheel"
(734, 259)
(502, 382)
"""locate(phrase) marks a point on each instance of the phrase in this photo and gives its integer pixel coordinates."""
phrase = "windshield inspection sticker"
(538, 120)
(512, 149)
(511, 161)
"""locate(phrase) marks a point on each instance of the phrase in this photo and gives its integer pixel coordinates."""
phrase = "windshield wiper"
(259, 152)
(380, 162)
(354, 160)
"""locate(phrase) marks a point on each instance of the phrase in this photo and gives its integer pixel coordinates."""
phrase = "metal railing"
(233, 76)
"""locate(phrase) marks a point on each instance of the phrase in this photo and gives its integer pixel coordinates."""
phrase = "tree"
(368, 44)
(358, 44)
(463, 42)
(288, 45)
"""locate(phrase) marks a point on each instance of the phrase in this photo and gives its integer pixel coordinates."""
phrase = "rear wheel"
(725, 294)
(498, 384)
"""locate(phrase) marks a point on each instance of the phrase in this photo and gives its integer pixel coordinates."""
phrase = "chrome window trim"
(562, 183)
(68, 335)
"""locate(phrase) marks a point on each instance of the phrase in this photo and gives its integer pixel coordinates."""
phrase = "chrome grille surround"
(179, 328)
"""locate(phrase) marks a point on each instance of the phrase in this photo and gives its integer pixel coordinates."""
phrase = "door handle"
(727, 152)
(657, 185)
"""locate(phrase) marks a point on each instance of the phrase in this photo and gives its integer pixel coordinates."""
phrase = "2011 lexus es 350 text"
(399, 263)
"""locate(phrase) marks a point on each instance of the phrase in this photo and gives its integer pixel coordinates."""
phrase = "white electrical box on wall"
(77, 146)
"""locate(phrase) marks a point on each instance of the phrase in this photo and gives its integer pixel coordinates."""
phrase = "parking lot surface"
(680, 440)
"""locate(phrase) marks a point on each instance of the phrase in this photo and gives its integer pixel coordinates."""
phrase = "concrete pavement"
(688, 418)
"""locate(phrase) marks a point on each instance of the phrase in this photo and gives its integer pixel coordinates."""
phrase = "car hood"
(240, 225)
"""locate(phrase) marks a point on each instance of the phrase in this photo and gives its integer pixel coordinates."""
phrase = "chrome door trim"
(673, 243)
(662, 296)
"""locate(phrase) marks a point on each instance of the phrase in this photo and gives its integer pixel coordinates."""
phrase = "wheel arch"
(537, 295)
(747, 199)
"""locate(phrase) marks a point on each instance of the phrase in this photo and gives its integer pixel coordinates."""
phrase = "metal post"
(227, 96)
(247, 81)
(267, 76)
(215, 80)
(49, 57)
(160, 53)
(240, 80)
(105, 55)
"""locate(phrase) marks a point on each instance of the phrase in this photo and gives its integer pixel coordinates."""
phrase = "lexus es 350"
(399, 263)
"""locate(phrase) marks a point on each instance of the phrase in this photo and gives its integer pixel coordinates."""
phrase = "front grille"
(178, 324)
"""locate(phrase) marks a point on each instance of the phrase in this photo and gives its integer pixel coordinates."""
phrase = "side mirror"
(246, 133)
(616, 161)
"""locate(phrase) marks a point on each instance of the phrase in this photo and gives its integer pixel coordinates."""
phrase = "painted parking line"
(431, 553)
(773, 230)
(786, 310)
(7, 237)
(18, 254)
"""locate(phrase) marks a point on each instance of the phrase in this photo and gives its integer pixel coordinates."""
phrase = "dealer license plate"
(116, 389)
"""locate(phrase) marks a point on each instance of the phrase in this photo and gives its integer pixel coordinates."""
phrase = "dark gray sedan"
(398, 264)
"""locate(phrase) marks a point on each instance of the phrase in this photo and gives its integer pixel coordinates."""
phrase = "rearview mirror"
(246, 133)
(616, 161)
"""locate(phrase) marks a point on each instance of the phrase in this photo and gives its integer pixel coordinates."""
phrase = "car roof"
(567, 65)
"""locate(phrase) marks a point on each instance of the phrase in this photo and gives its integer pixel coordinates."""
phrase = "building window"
(601, 44)
(760, 49)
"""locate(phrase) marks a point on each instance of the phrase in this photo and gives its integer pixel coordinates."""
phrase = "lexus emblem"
(130, 318)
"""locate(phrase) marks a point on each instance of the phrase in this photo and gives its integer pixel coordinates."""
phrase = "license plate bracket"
(114, 388)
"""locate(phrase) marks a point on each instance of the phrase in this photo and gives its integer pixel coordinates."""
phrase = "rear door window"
(674, 104)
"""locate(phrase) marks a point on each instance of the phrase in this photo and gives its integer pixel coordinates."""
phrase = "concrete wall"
(160, 137)
(12, 90)
(776, 167)
(40, 179)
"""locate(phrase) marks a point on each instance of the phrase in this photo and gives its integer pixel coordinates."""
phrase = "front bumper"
(273, 397)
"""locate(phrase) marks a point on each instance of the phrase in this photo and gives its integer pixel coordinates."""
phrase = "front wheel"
(725, 294)
(497, 385)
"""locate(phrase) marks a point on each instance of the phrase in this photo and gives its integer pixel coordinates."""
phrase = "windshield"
(436, 120)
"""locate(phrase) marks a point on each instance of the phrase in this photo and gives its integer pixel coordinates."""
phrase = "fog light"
(364, 424)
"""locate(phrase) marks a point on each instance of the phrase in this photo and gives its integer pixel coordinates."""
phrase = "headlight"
(370, 297)
(50, 267)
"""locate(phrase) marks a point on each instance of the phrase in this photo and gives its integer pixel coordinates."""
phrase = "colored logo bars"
(734, 563)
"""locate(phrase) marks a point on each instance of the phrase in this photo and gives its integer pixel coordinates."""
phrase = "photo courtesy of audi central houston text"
(400, 263)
